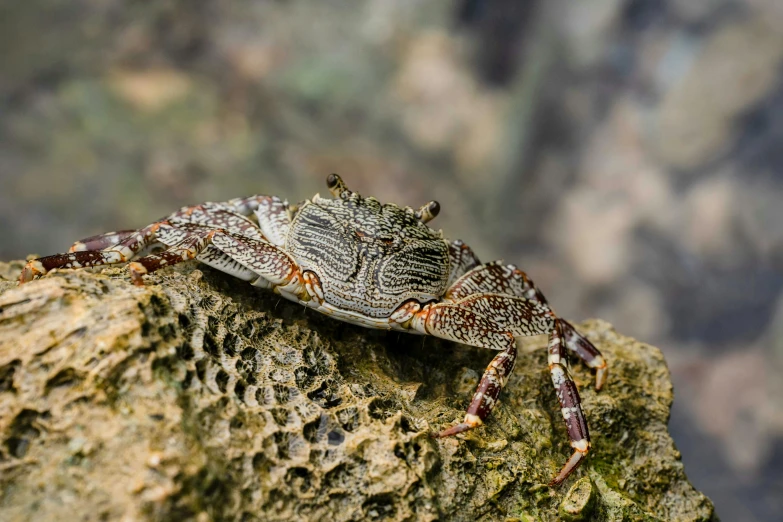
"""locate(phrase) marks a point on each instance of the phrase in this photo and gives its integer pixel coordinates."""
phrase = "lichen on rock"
(200, 397)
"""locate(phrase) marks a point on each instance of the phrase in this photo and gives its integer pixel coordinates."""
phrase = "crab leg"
(122, 252)
(464, 322)
(517, 315)
(586, 351)
(272, 266)
(123, 246)
(500, 278)
(216, 216)
(461, 260)
(452, 322)
(101, 241)
(273, 219)
(570, 404)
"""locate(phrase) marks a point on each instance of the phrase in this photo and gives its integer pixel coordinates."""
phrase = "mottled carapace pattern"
(372, 264)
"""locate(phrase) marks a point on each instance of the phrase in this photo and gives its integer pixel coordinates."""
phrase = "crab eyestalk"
(428, 211)
(337, 186)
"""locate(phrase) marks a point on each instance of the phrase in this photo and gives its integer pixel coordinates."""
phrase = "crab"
(367, 263)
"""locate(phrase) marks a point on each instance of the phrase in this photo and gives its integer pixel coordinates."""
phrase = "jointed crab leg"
(507, 296)
(122, 246)
(497, 277)
(272, 266)
(451, 322)
(461, 260)
(101, 241)
(586, 351)
(273, 219)
(185, 250)
(570, 404)
(487, 392)
(460, 322)
(122, 252)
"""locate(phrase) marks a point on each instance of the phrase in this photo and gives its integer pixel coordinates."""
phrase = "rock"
(200, 397)
(735, 68)
(579, 502)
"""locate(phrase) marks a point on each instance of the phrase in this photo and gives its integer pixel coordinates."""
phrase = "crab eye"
(336, 186)
(332, 180)
(428, 211)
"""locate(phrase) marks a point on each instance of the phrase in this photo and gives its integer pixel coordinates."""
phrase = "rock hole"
(380, 409)
(232, 344)
(325, 395)
(65, 377)
(300, 479)
(280, 415)
(184, 321)
(305, 377)
(261, 463)
(335, 438)
(210, 346)
(221, 379)
(349, 418)
(185, 352)
(167, 332)
(158, 306)
(379, 507)
(7, 373)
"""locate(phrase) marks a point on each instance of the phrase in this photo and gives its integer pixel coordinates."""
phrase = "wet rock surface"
(199, 397)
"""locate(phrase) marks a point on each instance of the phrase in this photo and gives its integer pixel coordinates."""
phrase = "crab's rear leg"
(121, 252)
(570, 404)
(101, 241)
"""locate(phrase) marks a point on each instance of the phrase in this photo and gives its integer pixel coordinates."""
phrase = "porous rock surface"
(200, 397)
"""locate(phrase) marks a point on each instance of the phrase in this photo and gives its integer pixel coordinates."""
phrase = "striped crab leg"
(497, 277)
(570, 404)
(451, 322)
(467, 320)
(272, 267)
(122, 246)
(121, 252)
(101, 241)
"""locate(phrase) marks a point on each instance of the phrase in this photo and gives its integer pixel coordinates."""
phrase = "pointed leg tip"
(600, 377)
(32, 270)
(573, 462)
(471, 421)
(137, 272)
(454, 430)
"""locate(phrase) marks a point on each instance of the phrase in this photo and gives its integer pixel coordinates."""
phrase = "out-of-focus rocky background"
(627, 154)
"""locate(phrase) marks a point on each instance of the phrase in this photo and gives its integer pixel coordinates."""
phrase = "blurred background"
(628, 154)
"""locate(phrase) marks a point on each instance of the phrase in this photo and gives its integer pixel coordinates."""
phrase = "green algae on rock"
(200, 397)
